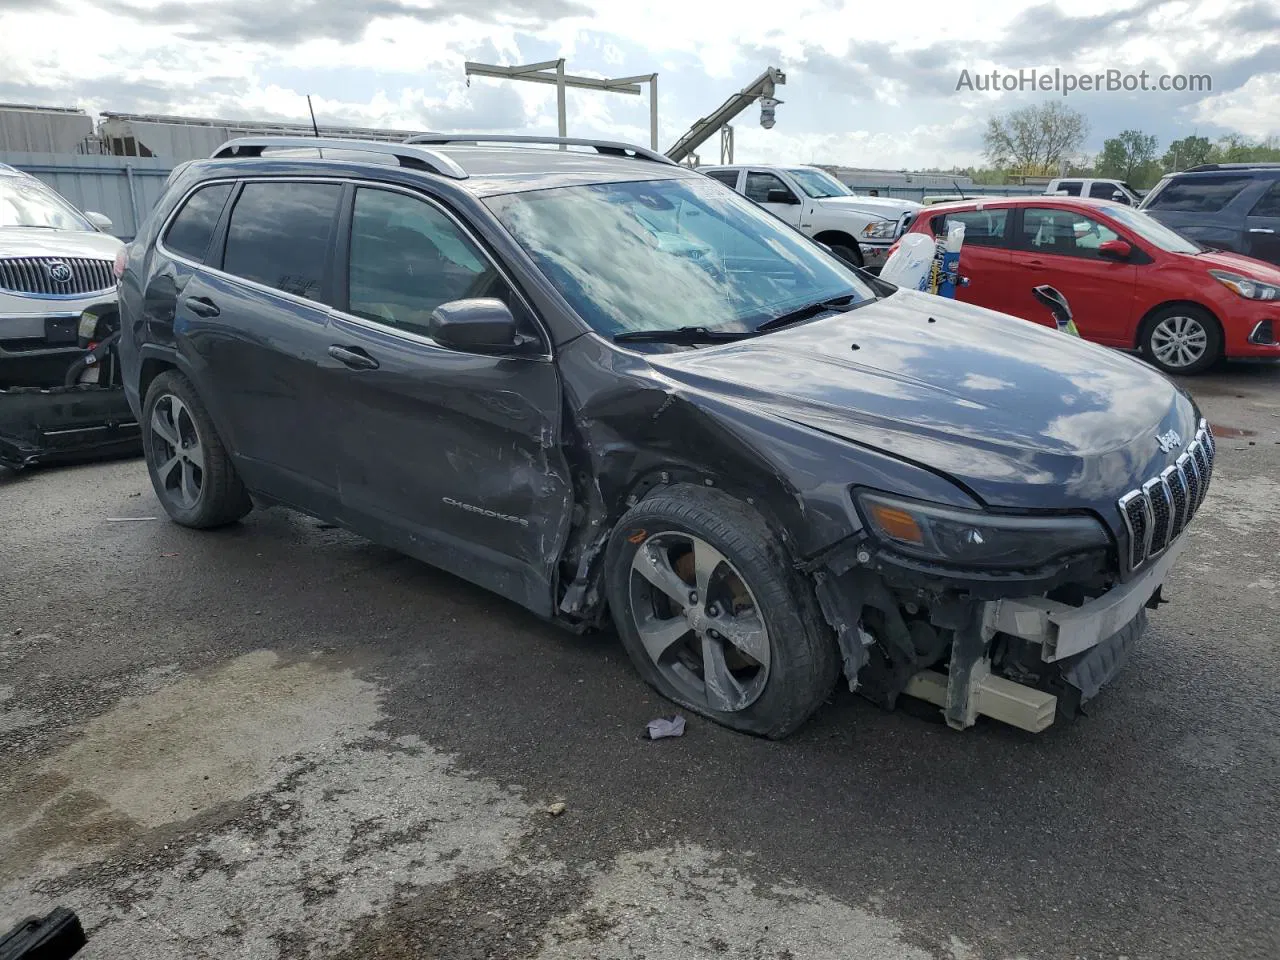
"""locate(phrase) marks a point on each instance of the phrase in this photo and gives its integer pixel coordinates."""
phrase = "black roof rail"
(408, 155)
(611, 148)
(1246, 165)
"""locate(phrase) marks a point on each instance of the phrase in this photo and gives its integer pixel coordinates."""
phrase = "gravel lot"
(279, 740)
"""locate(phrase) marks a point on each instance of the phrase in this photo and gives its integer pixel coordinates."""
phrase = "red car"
(1131, 282)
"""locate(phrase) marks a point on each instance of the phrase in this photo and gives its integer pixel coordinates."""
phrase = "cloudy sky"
(868, 84)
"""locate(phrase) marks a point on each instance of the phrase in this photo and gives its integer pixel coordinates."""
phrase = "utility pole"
(552, 72)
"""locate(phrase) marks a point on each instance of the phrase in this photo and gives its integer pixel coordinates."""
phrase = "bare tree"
(1034, 139)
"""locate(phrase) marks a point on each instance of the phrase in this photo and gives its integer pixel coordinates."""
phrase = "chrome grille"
(1160, 510)
(36, 275)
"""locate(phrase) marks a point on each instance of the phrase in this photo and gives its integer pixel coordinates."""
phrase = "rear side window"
(1199, 194)
(279, 235)
(1268, 204)
(1070, 187)
(193, 227)
(984, 228)
(728, 177)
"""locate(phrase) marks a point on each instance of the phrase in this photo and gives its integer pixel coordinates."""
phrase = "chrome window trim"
(545, 354)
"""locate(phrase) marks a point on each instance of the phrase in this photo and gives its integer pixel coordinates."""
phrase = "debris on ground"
(665, 727)
(557, 808)
(129, 519)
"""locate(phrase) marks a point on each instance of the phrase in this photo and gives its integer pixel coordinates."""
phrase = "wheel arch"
(1140, 331)
(841, 237)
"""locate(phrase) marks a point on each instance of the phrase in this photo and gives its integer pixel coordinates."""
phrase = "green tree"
(1187, 152)
(1235, 148)
(1034, 139)
(1124, 155)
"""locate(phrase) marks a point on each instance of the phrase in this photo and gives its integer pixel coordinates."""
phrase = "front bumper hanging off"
(1082, 647)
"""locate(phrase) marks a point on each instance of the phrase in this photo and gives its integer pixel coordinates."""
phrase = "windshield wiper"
(805, 312)
(682, 335)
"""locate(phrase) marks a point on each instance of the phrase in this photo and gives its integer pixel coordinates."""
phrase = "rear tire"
(190, 469)
(772, 659)
(1181, 339)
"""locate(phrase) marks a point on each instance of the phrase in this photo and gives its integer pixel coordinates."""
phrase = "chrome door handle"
(1261, 230)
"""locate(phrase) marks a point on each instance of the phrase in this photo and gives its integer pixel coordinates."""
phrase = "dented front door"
(453, 457)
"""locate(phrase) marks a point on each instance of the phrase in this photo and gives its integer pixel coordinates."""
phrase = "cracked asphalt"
(282, 741)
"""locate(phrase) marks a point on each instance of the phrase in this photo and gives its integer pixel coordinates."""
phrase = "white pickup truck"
(859, 229)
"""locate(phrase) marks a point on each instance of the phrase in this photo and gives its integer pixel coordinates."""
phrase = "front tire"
(850, 255)
(1182, 339)
(712, 615)
(190, 469)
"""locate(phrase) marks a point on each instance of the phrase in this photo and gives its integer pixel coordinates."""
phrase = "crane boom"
(705, 129)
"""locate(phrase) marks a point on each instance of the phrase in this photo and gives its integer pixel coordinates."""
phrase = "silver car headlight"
(884, 230)
(974, 538)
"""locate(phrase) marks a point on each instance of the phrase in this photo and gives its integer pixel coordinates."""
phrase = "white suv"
(858, 229)
(54, 263)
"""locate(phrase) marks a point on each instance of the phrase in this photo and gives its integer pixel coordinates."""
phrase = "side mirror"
(1115, 249)
(1119, 197)
(781, 196)
(480, 325)
(99, 220)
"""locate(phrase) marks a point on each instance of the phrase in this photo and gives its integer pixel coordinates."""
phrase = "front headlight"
(885, 230)
(1247, 287)
(972, 538)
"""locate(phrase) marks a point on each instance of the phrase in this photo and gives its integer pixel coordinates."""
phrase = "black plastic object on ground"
(57, 424)
(55, 937)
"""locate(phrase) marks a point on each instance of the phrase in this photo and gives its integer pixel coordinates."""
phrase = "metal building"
(176, 139)
(30, 129)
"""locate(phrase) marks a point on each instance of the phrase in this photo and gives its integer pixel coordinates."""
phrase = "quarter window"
(408, 257)
(193, 227)
(280, 235)
(1268, 204)
(1063, 232)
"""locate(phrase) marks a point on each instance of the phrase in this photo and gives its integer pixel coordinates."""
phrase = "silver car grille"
(56, 276)
(1156, 513)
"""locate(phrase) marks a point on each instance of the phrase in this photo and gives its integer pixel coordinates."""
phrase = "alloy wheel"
(177, 454)
(1179, 341)
(699, 622)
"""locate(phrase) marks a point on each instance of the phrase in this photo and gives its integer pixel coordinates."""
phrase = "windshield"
(29, 203)
(818, 184)
(1153, 231)
(666, 254)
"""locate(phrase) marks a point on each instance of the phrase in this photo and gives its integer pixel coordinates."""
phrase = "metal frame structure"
(759, 89)
(552, 72)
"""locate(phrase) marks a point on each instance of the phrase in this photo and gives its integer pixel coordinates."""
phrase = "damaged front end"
(61, 394)
(1024, 647)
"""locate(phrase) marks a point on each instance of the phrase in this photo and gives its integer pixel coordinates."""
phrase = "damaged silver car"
(611, 389)
(61, 393)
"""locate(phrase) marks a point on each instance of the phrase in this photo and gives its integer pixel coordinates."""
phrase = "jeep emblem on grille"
(59, 272)
(1169, 441)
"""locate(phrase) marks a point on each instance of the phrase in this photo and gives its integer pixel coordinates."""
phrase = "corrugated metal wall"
(123, 188)
(43, 130)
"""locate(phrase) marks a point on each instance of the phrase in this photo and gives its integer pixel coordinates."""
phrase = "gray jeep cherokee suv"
(605, 386)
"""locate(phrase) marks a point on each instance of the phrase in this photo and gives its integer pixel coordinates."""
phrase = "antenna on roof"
(955, 184)
(315, 129)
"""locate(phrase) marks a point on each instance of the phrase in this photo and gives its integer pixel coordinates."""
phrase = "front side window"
(759, 184)
(408, 257)
(983, 228)
(279, 235)
(1063, 232)
(819, 184)
(1198, 194)
(26, 202)
(1070, 187)
(193, 227)
(663, 254)
(1103, 191)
